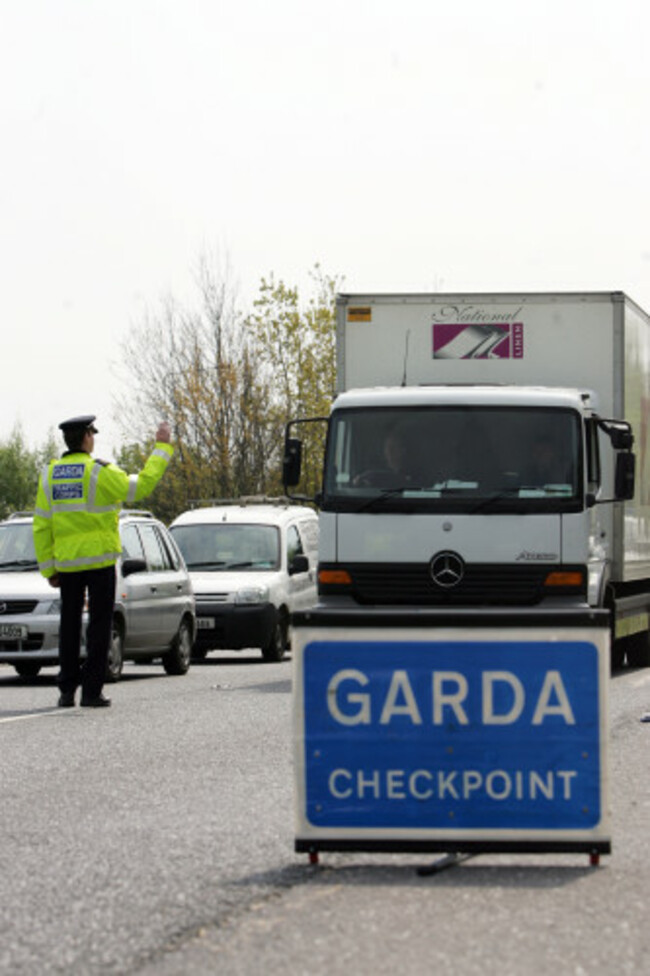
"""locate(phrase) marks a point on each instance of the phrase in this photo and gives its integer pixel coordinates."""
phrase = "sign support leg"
(448, 861)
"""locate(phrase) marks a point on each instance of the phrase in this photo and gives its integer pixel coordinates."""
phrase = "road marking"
(22, 718)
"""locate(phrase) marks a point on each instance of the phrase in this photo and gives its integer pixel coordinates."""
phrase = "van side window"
(294, 544)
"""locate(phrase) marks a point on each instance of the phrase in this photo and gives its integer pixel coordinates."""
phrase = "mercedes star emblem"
(447, 569)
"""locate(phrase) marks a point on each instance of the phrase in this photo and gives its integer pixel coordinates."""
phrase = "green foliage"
(296, 346)
(18, 475)
(51, 450)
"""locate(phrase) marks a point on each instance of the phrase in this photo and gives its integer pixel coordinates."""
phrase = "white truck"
(479, 454)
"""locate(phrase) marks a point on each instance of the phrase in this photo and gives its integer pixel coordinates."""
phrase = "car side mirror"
(299, 564)
(130, 566)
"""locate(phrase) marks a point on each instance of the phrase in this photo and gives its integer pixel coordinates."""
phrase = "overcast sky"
(415, 145)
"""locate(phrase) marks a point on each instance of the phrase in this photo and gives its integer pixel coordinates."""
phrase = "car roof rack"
(243, 500)
(140, 512)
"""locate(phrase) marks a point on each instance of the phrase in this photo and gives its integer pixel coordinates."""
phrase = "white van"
(252, 564)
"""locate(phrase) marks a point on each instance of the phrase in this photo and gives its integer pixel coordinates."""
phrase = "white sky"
(414, 145)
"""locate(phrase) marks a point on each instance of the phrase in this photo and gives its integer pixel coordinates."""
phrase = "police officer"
(77, 541)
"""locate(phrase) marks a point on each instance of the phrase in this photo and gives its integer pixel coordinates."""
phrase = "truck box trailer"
(479, 454)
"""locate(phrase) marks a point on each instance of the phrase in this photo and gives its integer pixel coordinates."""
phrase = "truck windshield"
(223, 547)
(454, 459)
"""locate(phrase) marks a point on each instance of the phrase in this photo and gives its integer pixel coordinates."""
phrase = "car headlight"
(54, 607)
(252, 594)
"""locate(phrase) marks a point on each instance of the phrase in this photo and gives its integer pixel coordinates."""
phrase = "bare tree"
(195, 368)
(228, 385)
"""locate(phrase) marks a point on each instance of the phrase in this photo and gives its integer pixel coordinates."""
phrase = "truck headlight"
(252, 594)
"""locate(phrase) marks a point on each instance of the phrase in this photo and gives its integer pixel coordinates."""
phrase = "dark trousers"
(100, 584)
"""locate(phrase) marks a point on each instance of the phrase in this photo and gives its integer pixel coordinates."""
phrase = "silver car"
(154, 614)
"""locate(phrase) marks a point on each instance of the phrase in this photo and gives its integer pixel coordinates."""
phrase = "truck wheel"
(274, 650)
(115, 654)
(177, 658)
(637, 649)
(27, 669)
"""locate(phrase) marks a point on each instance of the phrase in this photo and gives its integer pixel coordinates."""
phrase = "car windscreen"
(224, 547)
(17, 547)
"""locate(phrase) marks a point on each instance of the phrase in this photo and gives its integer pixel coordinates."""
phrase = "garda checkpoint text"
(474, 733)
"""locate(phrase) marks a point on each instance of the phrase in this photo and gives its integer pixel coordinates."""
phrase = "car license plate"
(205, 623)
(13, 631)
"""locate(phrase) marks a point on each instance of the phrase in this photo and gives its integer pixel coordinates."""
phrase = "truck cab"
(424, 491)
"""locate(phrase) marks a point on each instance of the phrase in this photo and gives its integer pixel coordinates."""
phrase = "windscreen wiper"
(203, 565)
(387, 493)
(496, 497)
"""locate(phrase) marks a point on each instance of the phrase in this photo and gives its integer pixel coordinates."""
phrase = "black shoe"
(98, 702)
(66, 699)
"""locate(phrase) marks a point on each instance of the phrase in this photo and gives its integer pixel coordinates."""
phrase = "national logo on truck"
(471, 340)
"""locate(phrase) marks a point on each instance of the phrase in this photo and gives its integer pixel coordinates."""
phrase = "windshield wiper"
(203, 565)
(387, 493)
(19, 564)
(496, 497)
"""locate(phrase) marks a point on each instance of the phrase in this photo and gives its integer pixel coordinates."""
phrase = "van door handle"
(154, 589)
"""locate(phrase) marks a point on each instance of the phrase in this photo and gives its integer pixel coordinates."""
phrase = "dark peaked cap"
(79, 423)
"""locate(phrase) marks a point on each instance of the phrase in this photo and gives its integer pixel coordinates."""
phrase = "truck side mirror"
(619, 433)
(622, 439)
(291, 462)
(624, 476)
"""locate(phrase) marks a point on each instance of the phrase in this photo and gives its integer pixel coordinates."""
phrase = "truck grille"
(411, 584)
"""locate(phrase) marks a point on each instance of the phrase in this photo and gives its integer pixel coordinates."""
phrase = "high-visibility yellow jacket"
(77, 509)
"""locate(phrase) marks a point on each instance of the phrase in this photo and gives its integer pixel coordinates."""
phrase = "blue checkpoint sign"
(452, 735)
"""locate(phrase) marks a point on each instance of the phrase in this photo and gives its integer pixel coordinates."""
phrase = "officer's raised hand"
(164, 433)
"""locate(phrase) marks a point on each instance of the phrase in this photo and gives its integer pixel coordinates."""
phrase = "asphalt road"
(156, 838)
